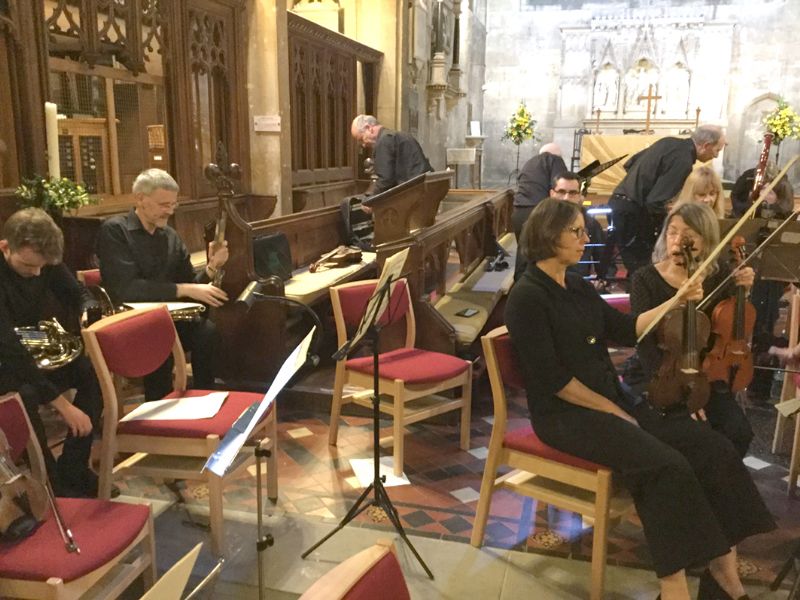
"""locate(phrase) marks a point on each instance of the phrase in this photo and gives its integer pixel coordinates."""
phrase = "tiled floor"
(530, 551)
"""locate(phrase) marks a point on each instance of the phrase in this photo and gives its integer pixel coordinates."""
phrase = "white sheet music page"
(177, 409)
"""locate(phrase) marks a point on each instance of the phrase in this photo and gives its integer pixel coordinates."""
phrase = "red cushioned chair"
(622, 302)
(411, 376)
(539, 471)
(89, 277)
(133, 344)
(372, 573)
(112, 536)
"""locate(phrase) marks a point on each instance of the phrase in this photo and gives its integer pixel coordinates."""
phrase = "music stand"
(227, 450)
(779, 260)
(382, 301)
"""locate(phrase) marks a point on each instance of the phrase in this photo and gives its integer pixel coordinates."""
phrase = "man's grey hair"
(362, 121)
(151, 180)
(551, 148)
(706, 134)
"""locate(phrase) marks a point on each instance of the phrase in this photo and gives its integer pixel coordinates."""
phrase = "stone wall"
(732, 59)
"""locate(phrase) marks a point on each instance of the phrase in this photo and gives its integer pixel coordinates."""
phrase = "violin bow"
(750, 256)
(670, 304)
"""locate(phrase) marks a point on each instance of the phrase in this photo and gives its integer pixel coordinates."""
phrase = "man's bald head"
(551, 148)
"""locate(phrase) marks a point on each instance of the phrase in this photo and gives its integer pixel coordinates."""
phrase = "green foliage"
(55, 196)
(783, 122)
(520, 127)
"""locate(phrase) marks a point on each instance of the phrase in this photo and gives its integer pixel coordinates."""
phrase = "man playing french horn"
(34, 286)
(142, 259)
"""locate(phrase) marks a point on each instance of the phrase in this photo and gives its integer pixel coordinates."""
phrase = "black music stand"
(778, 260)
(369, 328)
(228, 449)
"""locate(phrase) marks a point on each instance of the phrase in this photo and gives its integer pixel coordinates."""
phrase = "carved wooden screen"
(323, 87)
(9, 164)
(211, 59)
(106, 64)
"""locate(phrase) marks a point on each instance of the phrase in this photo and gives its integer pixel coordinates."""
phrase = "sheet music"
(171, 306)
(229, 447)
(178, 409)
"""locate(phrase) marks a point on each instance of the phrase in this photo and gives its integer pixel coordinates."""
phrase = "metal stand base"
(380, 497)
(792, 563)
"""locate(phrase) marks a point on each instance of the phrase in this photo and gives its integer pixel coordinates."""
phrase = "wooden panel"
(323, 89)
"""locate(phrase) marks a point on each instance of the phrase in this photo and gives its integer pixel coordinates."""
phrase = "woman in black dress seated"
(658, 282)
(693, 495)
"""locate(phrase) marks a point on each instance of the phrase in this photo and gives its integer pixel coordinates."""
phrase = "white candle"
(51, 129)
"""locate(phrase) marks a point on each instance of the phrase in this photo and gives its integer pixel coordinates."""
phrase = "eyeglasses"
(570, 193)
(579, 232)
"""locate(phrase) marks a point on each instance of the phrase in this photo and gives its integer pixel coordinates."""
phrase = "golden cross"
(597, 121)
(649, 97)
(697, 117)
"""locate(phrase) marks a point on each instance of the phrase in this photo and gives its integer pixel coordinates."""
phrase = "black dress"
(693, 495)
(648, 290)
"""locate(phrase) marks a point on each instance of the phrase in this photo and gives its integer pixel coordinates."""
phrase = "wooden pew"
(409, 206)
(320, 195)
(254, 344)
(476, 219)
(80, 230)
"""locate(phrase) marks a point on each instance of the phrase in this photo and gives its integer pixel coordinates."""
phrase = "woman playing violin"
(693, 495)
(658, 282)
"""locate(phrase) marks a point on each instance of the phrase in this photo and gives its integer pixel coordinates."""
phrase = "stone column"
(268, 95)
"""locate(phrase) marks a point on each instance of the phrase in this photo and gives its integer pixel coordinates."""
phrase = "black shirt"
(656, 174)
(137, 266)
(24, 301)
(563, 333)
(398, 158)
(536, 177)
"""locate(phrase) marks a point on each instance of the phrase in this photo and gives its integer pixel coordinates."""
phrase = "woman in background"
(704, 185)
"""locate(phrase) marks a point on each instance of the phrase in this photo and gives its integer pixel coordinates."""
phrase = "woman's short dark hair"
(35, 229)
(543, 229)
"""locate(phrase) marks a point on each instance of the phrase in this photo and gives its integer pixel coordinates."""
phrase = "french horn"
(50, 344)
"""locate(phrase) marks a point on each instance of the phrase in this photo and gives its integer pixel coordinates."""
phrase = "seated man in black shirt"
(567, 186)
(33, 280)
(142, 259)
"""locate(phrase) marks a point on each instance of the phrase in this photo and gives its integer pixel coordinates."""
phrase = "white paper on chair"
(364, 472)
(219, 462)
(178, 409)
(789, 407)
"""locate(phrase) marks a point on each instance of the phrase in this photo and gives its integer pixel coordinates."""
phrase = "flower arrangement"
(520, 127)
(783, 122)
(55, 196)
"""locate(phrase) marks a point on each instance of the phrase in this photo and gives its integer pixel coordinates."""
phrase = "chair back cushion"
(622, 302)
(507, 362)
(91, 277)
(137, 346)
(354, 299)
(14, 426)
(384, 580)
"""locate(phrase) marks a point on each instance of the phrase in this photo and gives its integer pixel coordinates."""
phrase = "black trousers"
(201, 338)
(633, 235)
(727, 417)
(74, 459)
(692, 492)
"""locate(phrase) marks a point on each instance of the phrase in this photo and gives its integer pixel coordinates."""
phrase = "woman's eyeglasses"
(579, 232)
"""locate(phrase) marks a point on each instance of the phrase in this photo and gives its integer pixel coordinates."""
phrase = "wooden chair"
(89, 277)
(406, 374)
(116, 539)
(789, 391)
(372, 573)
(133, 344)
(539, 471)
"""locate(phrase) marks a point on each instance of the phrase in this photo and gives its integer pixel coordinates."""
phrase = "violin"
(338, 257)
(732, 321)
(23, 500)
(681, 335)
